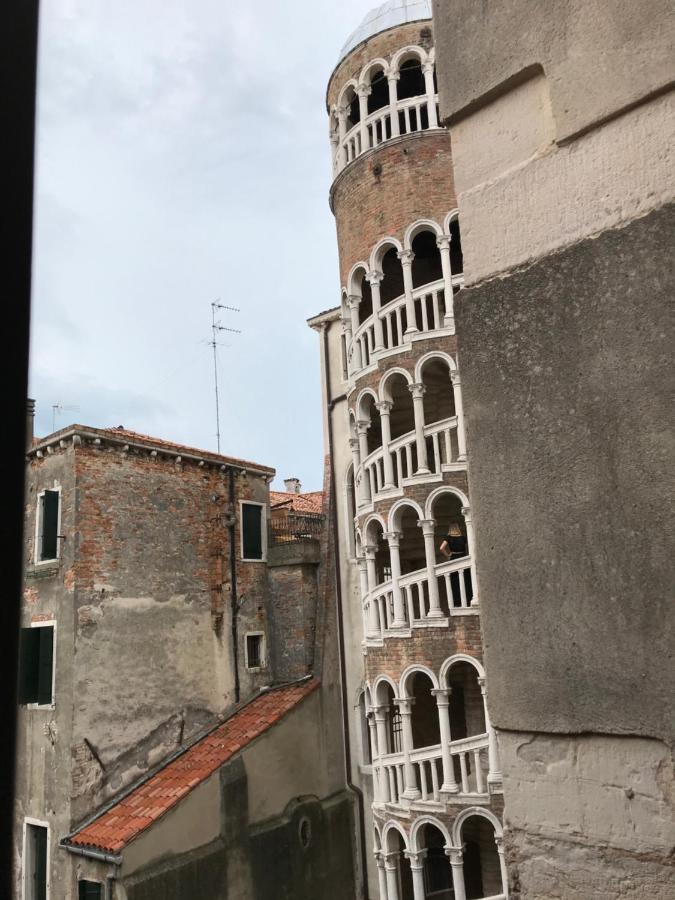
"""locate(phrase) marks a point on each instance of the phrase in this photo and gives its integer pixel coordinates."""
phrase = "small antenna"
(215, 328)
(60, 408)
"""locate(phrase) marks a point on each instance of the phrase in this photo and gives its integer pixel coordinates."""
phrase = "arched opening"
(361, 288)
(402, 415)
(351, 103)
(411, 543)
(437, 871)
(424, 718)
(450, 539)
(415, 117)
(394, 730)
(369, 412)
(426, 266)
(482, 871)
(392, 283)
(396, 845)
(374, 537)
(379, 90)
(439, 398)
(366, 751)
(456, 256)
(466, 708)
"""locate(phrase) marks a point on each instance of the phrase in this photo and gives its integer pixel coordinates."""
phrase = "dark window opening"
(353, 112)
(456, 258)
(251, 530)
(36, 659)
(89, 890)
(426, 265)
(392, 283)
(49, 525)
(437, 873)
(411, 82)
(379, 92)
(254, 651)
(366, 304)
(35, 862)
(395, 731)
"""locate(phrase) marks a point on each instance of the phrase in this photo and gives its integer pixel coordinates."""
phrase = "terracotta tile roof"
(143, 805)
(311, 502)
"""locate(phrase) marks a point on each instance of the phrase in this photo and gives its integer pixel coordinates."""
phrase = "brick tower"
(422, 750)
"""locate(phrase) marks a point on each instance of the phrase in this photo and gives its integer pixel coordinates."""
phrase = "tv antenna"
(215, 328)
(58, 408)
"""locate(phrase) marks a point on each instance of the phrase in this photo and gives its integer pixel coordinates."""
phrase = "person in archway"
(455, 546)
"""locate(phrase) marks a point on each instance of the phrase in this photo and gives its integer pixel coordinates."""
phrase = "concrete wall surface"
(562, 130)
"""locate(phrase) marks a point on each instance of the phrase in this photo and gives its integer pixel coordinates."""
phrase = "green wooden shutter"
(29, 656)
(40, 861)
(90, 890)
(251, 527)
(46, 665)
(50, 525)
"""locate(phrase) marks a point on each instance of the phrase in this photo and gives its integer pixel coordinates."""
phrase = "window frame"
(39, 512)
(263, 531)
(90, 881)
(263, 651)
(47, 623)
(38, 823)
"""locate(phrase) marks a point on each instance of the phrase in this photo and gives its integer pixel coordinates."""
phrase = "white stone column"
(384, 408)
(353, 302)
(374, 278)
(417, 391)
(457, 867)
(370, 550)
(406, 257)
(362, 426)
(347, 331)
(381, 875)
(361, 497)
(411, 791)
(342, 133)
(392, 80)
(443, 244)
(372, 734)
(428, 526)
(370, 619)
(468, 521)
(442, 696)
(494, 767)
(380, 713)
(394, 541)
(499, 841)
(428, 70)
(391, 869)
(459, 412)
(417, 868)
(363, 91)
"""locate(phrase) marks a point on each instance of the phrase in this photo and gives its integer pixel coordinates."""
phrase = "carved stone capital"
(406, 257)
(374, 277)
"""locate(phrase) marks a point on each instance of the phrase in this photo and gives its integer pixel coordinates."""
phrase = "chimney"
(292, 485)
(30, 422)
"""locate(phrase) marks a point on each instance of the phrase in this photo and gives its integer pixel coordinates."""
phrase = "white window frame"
(38, 519)
(263, 651)
(44, 624)
(29, 820)
(263, 529)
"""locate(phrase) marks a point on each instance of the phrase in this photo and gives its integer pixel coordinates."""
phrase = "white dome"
(388, 15)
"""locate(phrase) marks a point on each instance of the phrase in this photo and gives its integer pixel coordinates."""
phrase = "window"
(252, 538)
(35, 844)
(89, 890)
(36, 665)
(48, 514)
(255, 651)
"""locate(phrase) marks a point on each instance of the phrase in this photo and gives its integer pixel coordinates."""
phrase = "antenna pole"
(215, 328)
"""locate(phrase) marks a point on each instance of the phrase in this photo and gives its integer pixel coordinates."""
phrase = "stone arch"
(364, 75)
(402, 55)
(354, 288)
(433, 354)
(380, 249)
(351, 84)
(390, 826)
(409, 671)
(418, 827)
(457, 658)
(373, 517)
(450, 217)
(366, 392)
(384, 394)
(467, 814)
(445, 489)
(418, 226)
(379, 681)
(400, 504)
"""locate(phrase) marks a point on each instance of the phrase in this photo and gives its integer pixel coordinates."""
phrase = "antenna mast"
(215, 328)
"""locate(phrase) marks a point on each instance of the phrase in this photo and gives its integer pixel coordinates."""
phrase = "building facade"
(562, 117)
(423, 751)
(169, 627)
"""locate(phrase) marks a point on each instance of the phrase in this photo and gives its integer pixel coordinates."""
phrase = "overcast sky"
(183, 156)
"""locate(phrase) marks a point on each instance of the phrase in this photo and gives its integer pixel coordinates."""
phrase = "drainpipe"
(233, 585)
(330, 404)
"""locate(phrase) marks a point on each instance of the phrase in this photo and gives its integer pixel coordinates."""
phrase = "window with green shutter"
(251, 531)
(36, 665)
(48, 526)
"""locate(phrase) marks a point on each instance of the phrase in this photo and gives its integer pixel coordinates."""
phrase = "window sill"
(38, 706)
(43, 569)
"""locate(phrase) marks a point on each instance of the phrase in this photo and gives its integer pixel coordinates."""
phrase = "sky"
(183, 157)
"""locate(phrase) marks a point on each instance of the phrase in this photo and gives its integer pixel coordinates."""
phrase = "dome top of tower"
(388, 15)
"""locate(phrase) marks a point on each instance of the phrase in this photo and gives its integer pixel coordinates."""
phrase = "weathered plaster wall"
(562, 142)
